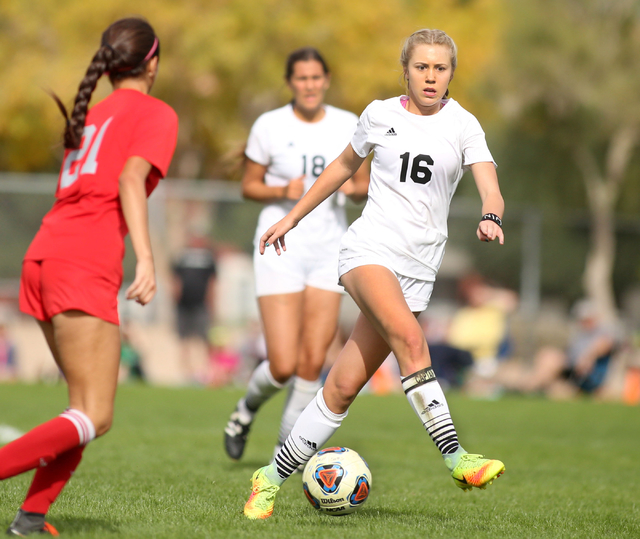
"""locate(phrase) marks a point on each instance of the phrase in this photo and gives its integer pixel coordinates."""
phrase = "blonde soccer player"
(422, 143)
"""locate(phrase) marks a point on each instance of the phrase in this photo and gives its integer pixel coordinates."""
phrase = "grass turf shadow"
(76, 525)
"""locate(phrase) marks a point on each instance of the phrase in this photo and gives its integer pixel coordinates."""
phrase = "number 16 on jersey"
(420, 172)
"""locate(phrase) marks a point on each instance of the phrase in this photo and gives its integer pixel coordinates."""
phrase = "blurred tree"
(572, 77)
(222, 63)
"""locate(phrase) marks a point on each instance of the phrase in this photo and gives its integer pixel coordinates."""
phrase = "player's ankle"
(451, 459)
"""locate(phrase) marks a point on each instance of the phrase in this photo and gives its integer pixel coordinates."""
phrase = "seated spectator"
(579, 368)
(450, 364)
(481, 328)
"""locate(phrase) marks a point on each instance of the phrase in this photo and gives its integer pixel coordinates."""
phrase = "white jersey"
(289, 148)
(417, 164)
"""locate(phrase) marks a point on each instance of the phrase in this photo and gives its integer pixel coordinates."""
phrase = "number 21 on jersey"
(75, 162)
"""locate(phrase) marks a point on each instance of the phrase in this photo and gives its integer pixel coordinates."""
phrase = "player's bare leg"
(87, 350)
(320, 312)
(363, 353)
(377, 292)
(281, 317)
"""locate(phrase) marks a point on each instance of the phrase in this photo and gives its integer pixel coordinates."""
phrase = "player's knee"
(102, 422)
(103, 427)
(281, 373)
(340, 395)
(310, 365)
(412, 351)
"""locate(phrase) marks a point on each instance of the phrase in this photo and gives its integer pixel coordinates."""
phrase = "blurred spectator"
(580, 368)
(130, 359)
(224, 361)
(194, 285)
(7, 356)
(253, 350)
(631, 389)
(450, 364)
(386, 379)
(481, 328)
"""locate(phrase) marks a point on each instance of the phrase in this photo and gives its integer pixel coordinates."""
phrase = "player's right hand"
(295, 189)
(489, 231)
(275, 235)
(143, 287)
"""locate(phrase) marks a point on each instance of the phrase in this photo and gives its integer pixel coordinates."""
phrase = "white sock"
(429, 403)
(301, 393)
(84, 425)
(262, 386)
(311, 431)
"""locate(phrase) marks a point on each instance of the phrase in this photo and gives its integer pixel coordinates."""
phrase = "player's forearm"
(601, 347)
(359, 184)
(254, 187)
(133, 199)
(484, 174)
(260, 192)
(331, 179)
(493, 203)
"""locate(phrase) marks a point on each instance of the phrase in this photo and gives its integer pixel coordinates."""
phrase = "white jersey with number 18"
(417, 165)
(290, 148)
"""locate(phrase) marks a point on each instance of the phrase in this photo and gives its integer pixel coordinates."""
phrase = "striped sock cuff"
(289, 458)
(84, 425)
(418, 379)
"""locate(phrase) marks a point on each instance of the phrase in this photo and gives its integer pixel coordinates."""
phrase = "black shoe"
(27, 523)
(235, 436)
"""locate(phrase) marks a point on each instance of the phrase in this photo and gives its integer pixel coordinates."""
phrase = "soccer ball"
(336, 481)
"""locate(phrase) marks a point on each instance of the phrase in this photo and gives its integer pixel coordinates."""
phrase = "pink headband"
(153, 49)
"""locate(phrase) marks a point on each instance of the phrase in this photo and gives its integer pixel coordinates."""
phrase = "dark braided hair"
(126, 48)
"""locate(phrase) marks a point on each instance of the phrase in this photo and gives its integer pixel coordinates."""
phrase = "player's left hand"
(143, 287)
(489, 231)
(275, 235)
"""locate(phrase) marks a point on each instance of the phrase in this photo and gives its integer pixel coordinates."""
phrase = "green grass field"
(572, 470)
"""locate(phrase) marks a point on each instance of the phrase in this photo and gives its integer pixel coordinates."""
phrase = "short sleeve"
(360, 140)
(474, 144)
(258, 143)
(155, 135)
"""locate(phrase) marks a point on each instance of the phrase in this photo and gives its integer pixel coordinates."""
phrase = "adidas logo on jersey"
(391, 132)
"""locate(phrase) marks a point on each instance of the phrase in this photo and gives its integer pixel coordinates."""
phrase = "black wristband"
(492, 217)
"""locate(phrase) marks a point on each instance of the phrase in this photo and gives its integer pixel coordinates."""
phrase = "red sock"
(38, 447)
(50, 480)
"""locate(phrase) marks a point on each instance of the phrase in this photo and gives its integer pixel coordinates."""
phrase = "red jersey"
(86, 225)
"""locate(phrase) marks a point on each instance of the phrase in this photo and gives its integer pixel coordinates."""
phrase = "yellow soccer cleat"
(476, 471)
(263, 496)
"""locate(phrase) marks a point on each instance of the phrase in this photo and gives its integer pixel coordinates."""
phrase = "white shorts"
(416, 292)
(297, 268)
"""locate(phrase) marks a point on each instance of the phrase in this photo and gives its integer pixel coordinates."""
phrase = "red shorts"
(52, 286)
